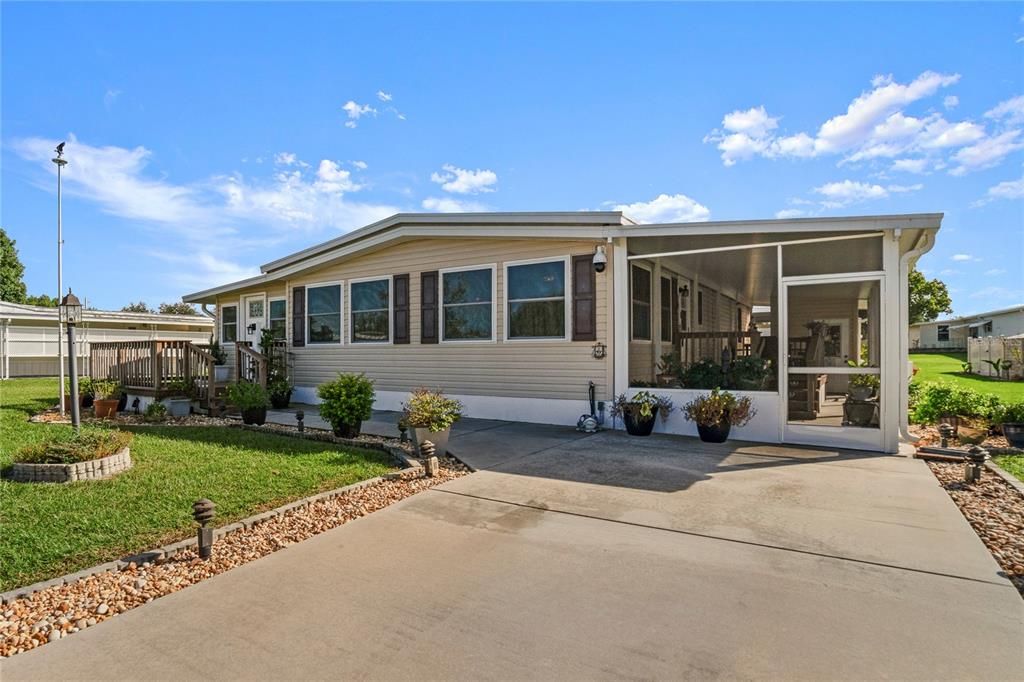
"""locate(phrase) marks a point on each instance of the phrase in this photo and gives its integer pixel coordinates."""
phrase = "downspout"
(924, 244)
(206, 312)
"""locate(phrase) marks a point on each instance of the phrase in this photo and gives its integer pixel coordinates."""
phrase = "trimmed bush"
(346, 401)
(248, 396)
(67, 448)
(431, 410)
(932, 400)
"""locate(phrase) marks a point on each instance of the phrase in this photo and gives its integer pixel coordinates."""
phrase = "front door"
(254, 309)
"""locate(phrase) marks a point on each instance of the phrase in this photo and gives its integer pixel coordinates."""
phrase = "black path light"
(203, 512)
(974, 463)
(70, 310)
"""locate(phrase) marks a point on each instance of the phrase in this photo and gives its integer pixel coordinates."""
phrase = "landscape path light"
(70, 310)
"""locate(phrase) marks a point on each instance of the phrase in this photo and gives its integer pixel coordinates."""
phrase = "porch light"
(599, 350)
(70, 309)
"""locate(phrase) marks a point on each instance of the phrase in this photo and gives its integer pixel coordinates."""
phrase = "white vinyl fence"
(1007, 349)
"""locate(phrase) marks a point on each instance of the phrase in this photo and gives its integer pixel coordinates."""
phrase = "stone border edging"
(90, 470)
(1014, 482)
(410, 466)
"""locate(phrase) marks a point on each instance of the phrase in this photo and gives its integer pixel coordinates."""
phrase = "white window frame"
(650, 303)
(391, 309)
(341, 312)
(273, 300)
(938, 333)
(493, 267)
(237, 305)
(567, 324)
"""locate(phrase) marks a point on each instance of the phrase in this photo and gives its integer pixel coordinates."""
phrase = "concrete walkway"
(597, 557)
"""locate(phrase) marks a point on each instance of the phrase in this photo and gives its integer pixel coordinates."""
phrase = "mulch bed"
(62, 610)
(995, 510)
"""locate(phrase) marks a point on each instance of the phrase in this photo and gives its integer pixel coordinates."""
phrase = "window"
(988, 328)
(371, 311)
(467, 300)
(229, 324)
(943, 332)
(323, 313)
(279, 318)
(536, 300)
(640, 293)
(666, 309)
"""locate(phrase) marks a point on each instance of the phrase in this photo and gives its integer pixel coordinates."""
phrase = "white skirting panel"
(536, 410)
(763, 428)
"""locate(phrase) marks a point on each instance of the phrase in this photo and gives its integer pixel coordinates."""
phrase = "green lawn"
(1013, 464)
(51, 529)
(946, 367)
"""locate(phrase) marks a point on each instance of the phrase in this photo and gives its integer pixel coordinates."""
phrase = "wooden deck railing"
(250, 365)
(163, 367)
(694, 346)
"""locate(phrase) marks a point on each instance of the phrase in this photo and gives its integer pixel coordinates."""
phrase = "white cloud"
(452, 205)
(462, 181)
(1010, 112)
(754, 122)
(110, 98)
(950, 102)
(1008, 189)
(787, 213)
(665, 208)
(902, 189)
(361, 165)
(917, 166)
(849, 191)
(331, 178)
(285, 159)
(963, 257)
(987, 152)
(356, 111)
(384, 96)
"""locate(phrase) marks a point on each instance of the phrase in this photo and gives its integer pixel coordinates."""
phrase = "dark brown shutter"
(428, 307)
(401, 287)
(584, 299)
(298, 317)
(675, 311)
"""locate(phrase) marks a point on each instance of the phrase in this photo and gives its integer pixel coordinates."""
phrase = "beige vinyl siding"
(538, 369)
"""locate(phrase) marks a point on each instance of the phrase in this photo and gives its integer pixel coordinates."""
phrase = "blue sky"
(205, 139)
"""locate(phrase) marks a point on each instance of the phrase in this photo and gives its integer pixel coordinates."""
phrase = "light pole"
(71, 314)
(61, 162)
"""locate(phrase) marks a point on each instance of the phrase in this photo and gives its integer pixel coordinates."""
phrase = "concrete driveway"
(599, 557)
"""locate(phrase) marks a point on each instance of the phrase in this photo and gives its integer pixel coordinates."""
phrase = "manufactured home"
(518, 314)
(29, 335)
(952, 333)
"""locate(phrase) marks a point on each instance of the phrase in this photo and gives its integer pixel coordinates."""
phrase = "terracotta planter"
(637, 426)
(714, 433)
(347, 430)
(105, 409)
(255, 415)
(438, 438)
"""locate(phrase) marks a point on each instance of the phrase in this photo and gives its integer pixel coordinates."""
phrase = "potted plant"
(638, 413)
(750, 373)
(1011, 417)
(280, 392)
(346, 402)
(106, 398)
(717, 412)
(702, 374)
(179, 402)
(251, 400)
(221, 371)
(670, 368)
(430, 415)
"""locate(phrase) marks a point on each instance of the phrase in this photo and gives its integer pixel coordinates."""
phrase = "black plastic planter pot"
(256, 415)
(636, 426)
(347, 430)
(1014, 434)
(279, 401)
(714, 433)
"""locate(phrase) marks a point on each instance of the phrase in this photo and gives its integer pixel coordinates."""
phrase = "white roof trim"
(21, 311)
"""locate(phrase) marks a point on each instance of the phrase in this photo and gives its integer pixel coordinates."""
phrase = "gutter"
(211, 315)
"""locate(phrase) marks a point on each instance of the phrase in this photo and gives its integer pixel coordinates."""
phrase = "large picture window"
(370, 311)
(229, 324)
(279, 318)
(467, 298)
(323, 313)
(640, 293)
(536, 300)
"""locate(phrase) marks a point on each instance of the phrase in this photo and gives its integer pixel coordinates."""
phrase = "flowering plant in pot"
(346, 402)
(430, 415)
(251, 400)
(863, 386)
(638, 413)
(1011, 419)
(106, 398)
(750, 373)
(717, 412)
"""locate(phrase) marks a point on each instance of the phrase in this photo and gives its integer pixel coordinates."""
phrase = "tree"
(42, 300)
(139, 307)
(12, 272)
(178, 308)
(929, 298)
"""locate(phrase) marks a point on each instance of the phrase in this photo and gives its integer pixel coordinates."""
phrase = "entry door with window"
(254, 312)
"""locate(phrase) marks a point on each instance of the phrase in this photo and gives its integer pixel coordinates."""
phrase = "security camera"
(600, 259)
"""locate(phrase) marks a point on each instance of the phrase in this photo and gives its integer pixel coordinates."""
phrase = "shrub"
(719, 406)
(702, 374)
(431, 410)
(750, 373)
(67, 448)
(642, 406)
(347, 400)
(935, 399)
(871, 381)
(84, 386)
(248, 396)
(155, 412)
(182, 387)
(1012, 413)
(106, 389)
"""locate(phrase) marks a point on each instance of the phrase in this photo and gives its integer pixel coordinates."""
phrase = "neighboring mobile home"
(517, 313)
(28, 335)
(952, 333)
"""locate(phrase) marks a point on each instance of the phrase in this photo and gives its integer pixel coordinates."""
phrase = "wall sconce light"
(684, 291)
(599, 350)
(251, 328)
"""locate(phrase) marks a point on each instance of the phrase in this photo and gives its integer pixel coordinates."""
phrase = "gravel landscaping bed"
(61, 610)
(995, 510)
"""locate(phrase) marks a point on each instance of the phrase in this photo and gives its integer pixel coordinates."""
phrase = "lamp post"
(61, 162)
(71, 314)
